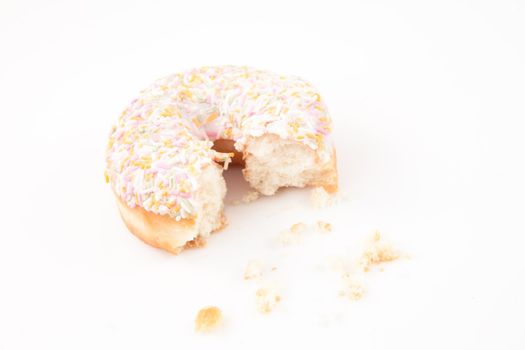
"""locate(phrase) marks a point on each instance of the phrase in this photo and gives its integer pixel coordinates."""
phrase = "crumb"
(324, 227)
(291, 235)
(298, 228)
(254, 269)
(319, 197)
(353, 288)
(274, 268)
(208, 318)
(250, 197)
(267, 299)
(377, 252)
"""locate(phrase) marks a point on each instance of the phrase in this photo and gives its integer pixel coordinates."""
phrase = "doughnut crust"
(162, 231)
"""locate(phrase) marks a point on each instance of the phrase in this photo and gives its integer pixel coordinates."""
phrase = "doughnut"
(167, 152)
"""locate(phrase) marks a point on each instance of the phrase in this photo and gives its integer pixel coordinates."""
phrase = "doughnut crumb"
(324, 227)
(377, 252)
(298, 228)
(250, 197)
(292, 235)
(207, 319)
(267, 299)
(353, 287)
(254, 269)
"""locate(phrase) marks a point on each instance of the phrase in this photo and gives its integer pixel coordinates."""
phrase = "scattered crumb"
(324, 227)
(208, 318)
(353, 288)
(287, 237)
(254, 269)
(267, 299)
(292, 235)
(319, 197)
(298, 228)
(377, 252)
(250, 197)
(274, 268)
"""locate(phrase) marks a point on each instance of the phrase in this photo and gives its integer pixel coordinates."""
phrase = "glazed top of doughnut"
(163, 139)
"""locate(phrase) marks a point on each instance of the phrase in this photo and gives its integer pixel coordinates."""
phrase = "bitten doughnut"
(163, 155)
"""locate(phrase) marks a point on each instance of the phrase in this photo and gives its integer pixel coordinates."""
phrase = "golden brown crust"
(159, 231)
(197, 242)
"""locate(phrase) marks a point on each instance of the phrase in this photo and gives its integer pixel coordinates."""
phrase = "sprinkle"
(211, 117)
(168, 111)
(186, 205)
(227, 162)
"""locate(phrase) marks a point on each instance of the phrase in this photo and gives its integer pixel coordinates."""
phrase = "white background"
(428, 104)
